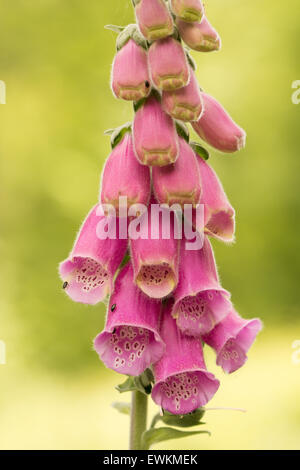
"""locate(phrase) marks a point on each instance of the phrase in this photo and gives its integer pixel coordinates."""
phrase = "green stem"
(138, 419)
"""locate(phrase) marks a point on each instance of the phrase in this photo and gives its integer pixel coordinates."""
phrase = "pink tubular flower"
(232, 339)
(200, 301)
(130, 75)
(182, 383)
(123, 175)
(154, 19)
(188, 10)
(219, 215)
(168, 64)
(201, 37)
(88, 271)
(154, 134)
(178, 183)
(217, 128)
(185, 103)
(130, 342)
(155, 256)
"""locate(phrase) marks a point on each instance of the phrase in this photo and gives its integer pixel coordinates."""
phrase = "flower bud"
(185, 103)
(154, 19)
(201, 37)
(168, 64)
(89, 270)
(155, 255)
(231, 339)
(200, 301)
(180, 182)
(124, 176)
(130, 76)
(188, 10)
(154, 134)
(130, 342)
(217, 128)
(182, 382)
(219, 215)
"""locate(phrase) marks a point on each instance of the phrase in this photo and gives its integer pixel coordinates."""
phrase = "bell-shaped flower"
(185, 103)
(219, 215)
(232, 339)
(201, 37)
(217, 128)
(124, 176)
(182, 382)
(188, 10)
(200, 301)
(130, 75)
(130, 342)
(153, 18)
(180, 182)
(89, 270)
(154, 135)
(155, 253)
(168, 64)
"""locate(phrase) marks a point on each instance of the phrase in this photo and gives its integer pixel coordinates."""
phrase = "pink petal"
(130, 75)
(200, 301)
(188, 10)
(217, 128)
(185, 103)
(168, 64)
(154, 19)
(182, 383)
(130, 342)
(154, 134)
(180, 182)
(219, 215)
(124, 176)
(201, 37)
(232, 339)
(90, 268)
(155, 261)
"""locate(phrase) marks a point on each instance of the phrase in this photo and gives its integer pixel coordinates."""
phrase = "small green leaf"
(131, 31)
(176, 34)
(125, 260)
(119, 133)
(201, 151)
(190, 60)
(127, 386)
(182, 130)
(181, 421)
(109, 131)
(156, 435)
(147, 377)
(184, 421)
(138, 104)
(115, 28)
(141, 383)
(122, 407)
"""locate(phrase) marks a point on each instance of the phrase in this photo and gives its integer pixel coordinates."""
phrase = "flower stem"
(138, 419)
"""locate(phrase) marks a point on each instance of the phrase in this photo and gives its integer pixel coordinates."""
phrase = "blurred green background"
(55, 59)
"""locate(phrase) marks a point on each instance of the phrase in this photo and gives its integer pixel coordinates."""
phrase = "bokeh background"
(55, 58)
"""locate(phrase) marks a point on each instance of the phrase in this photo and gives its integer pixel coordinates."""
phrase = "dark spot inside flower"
(114, 330)
(65, 285)
(147, 84)
(113, 307)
